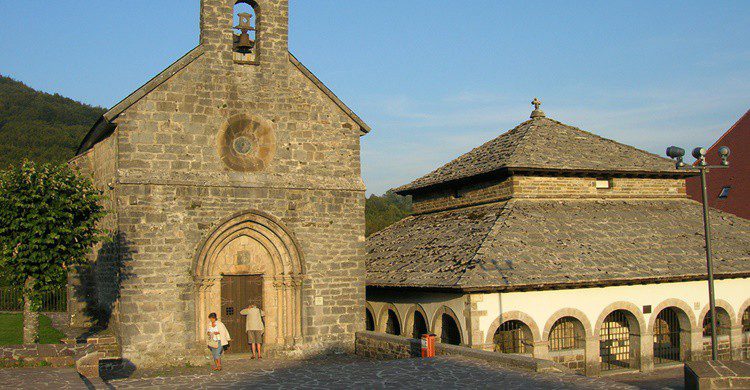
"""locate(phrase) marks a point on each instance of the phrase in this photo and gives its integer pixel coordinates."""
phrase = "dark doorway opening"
(450, 333)
(392, 326)
(369, 321)
(420, 325)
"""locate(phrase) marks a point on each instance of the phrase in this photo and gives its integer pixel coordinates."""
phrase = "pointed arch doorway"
(250, 256)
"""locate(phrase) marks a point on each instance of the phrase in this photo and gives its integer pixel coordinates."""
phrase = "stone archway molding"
(676, 303)
(382, 320)
(509, 316)
(720, 303)
(631, 308)
(745, 306)
(437, 322)
(283, 273)
(568, 312)
(368, 308)
(409, 318)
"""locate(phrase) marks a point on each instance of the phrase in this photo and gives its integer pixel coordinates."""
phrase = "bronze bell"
(243, 43)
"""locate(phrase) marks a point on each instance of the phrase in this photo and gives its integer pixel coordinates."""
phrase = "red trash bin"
(428, 345)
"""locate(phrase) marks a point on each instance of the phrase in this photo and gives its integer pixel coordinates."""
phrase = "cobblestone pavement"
(343, 373)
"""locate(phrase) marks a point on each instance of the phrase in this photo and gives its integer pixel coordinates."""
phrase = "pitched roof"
(545, 144)
(104, 126)
(538, 244)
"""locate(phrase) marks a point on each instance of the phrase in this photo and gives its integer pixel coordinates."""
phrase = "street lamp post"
(701, 165)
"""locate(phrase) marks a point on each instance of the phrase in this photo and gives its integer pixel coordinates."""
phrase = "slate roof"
(537, 244)
(545, 144)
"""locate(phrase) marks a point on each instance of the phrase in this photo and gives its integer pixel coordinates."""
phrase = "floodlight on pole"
(701, 165)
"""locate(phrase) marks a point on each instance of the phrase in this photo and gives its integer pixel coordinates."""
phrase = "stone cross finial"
(537, 113)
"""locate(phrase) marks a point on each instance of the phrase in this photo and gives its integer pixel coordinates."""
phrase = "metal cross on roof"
(536, 102)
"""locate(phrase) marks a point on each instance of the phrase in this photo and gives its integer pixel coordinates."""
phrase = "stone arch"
(688, 322)
(620, 346)
(253, 243)
(743, 308)
(509, 316)
(409, 319)
(437, 322)
(382, 319)
(371, 312)
(567, 312)
(720, 303)
(670, 345)
(632, 309)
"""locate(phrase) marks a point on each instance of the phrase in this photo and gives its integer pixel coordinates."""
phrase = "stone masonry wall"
(573, 359)
(482, 192)
(173, 188)
(523, 186)
(724, 349)
(60, 355)
(387, 346)
(585, 187)
(164, 224)
(90, 298)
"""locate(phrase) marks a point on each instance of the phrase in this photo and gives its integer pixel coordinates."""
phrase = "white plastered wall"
(541, 305)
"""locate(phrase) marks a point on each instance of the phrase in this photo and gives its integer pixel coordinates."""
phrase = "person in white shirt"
(218, 339)
(254, 327)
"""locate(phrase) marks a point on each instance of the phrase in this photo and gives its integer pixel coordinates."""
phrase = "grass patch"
(11, 330)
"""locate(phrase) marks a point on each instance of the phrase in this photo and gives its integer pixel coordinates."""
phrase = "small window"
(725, 192)
(603, 184)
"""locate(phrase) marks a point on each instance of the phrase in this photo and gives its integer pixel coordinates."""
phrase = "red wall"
(737, 138)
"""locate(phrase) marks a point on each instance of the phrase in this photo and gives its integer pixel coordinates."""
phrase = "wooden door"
(237, 293)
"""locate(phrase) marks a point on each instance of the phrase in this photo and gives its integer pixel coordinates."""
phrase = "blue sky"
(433, 78)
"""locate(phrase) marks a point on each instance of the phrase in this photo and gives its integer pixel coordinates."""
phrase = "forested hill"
(40, 126)
(382, 211)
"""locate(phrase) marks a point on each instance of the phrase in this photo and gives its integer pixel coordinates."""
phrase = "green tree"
(49, 218)
(382, 211)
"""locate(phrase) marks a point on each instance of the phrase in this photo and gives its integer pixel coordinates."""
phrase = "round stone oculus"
(247, 143)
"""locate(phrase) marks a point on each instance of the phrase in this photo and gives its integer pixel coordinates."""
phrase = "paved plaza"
(341, 372)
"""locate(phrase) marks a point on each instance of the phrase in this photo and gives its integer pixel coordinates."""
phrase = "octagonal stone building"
(231, 177)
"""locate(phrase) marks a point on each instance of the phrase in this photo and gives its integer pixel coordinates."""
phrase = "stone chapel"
(231, 177)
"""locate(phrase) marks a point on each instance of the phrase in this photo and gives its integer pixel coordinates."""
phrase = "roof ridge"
(504, 213)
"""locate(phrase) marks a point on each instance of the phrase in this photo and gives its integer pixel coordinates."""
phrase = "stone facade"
(536, 186)
(212, 146)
